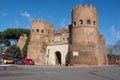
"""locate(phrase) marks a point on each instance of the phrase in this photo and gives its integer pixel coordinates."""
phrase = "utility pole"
(48, 57)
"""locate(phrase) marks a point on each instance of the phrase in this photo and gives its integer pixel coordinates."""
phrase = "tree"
(117, 47)
(11, 36)
(110, 52)
(114, 51)
(14, 50)
(110, 49)
(14, 34)
(3, 42)
(24, 50)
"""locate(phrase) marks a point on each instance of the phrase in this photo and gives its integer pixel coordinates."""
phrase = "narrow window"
(37, 30)
(81, 21)
(74, 23)
(88, 22)
(93, 22)
(42, 31)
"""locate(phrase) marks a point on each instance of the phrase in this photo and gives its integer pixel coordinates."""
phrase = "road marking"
(100, 75)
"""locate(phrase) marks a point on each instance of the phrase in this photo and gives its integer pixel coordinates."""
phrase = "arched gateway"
(57, 54)
(58, 58)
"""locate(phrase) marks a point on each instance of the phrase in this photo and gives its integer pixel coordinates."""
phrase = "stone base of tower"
(89, 60)
(35, 53)
(87, 55)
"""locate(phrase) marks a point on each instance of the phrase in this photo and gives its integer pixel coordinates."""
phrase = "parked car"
(28, 61)
(8, 60)
(18, 61)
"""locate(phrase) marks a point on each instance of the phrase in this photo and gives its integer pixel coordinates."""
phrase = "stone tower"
(39, 33)
(87, 46)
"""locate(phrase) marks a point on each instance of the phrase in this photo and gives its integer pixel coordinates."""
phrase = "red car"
(29, 61)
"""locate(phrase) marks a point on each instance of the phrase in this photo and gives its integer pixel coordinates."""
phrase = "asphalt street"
(26, 72)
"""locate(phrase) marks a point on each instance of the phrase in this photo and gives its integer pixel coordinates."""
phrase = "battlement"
(85, 16)
(41, 23)
(63, 30)
(91, 7)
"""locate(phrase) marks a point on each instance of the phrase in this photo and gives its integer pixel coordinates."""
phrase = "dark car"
(29, 61)
(18, 61)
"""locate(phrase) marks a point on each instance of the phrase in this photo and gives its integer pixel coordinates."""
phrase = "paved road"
(16, 72)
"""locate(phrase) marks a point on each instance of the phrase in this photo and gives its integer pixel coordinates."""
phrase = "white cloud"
(115, 33)
(25, 14)
(64, 23)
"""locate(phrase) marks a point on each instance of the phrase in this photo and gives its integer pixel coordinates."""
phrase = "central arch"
(58, 58)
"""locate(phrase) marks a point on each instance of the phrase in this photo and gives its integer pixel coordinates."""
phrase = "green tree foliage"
(3, 42)
(24, 50)
(14, 50)
(2, 38)
(11, 36)
(14, 34)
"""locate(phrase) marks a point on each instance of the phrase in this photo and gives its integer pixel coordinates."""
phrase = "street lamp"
(47, 56)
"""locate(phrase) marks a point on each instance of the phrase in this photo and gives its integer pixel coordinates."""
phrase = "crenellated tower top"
(40, 27)
(85, 16)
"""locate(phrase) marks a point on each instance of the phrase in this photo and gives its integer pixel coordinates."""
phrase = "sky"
(20, 13)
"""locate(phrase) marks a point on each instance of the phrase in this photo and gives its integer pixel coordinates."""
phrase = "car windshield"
(8, 57)
(29, 59)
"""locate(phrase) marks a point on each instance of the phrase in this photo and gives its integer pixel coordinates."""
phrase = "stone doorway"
(58, 58)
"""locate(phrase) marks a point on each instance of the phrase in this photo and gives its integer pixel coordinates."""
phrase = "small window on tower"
(94, 22)
(74, 23)
(81, 21)
(42, 31)
(37, 30)
(88, 22)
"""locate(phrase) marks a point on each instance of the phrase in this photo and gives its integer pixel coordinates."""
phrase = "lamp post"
(47, 56)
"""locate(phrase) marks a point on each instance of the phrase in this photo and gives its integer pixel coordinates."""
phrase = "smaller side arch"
(58, 58)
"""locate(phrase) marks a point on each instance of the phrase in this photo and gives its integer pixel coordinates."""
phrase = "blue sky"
(20, 13)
